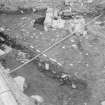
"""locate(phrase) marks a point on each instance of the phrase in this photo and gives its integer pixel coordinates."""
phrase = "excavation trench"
(52, 77)
(53, 70)
(44, 77)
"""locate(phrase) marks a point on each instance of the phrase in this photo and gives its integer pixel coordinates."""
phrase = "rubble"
(68, 2)
(22, 57)
(75, 24)
(79, 24)
(4, 50)
(53, 20)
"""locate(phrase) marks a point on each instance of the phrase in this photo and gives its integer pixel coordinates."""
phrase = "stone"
(103, 103)
(68, 2)
(1, 52)
(38, 99)
(47, 66)
(21, 82)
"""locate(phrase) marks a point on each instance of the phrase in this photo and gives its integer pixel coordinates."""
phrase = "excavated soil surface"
(85, 60)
